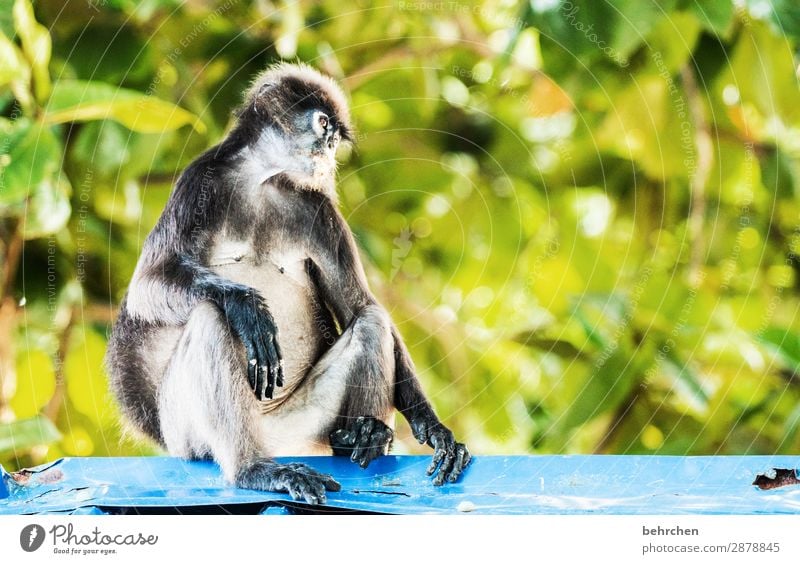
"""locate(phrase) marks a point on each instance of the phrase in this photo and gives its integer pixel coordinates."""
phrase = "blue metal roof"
(397, 484)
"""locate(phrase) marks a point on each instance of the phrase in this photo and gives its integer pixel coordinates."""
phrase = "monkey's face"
(322, 137)
(314, 137)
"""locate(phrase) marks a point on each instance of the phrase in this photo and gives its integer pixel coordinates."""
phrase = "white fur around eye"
(316, 124)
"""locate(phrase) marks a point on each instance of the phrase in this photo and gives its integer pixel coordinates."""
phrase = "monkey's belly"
(286, 289)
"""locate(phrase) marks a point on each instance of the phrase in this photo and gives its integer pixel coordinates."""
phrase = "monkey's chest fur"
(305, 327)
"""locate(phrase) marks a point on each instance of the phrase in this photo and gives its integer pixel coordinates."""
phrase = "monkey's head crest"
(286, 91)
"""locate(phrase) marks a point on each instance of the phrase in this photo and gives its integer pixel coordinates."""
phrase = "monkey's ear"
(260, 105)
(259, 100)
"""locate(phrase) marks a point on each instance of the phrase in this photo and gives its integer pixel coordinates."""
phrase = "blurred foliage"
(584, 215)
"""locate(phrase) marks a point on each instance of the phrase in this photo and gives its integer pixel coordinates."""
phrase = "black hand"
(251, 321)
(449, 456)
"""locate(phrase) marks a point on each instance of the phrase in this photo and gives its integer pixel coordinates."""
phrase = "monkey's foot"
(363, 441)
(298, 480)
(449, 456)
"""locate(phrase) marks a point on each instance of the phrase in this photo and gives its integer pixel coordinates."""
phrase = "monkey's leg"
(362, 429)
(206, 408)
(346, 400)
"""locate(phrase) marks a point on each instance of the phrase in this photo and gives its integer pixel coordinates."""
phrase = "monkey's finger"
(342, 442)
(253, 375)
(358, 438)
(308, 491)
(293, 488)
(261, 376)
(462, 459)
(325, 479)
(330, 484)
(311, 485)
(273, 359)
(445, 468)
(366, 426)
(279, 380)
(294, 484)
(379, 440)
(319, 490)
(269, 375)
(357, 453)
(465, 459)
(438, 456)
(260, 346)
(364, 430)
(370, 453)
(365, 455)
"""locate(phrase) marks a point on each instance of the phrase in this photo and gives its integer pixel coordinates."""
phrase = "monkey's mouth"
(323, 158)
(332, 140)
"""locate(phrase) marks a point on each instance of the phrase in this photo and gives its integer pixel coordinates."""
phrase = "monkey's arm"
(169, 287)
(450, 456)
(342, 283)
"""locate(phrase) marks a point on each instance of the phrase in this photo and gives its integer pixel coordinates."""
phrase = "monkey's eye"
(320, 122)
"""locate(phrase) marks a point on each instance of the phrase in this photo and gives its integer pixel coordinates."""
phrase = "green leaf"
(560, 347)
(643, 125)
(69, 93)
(12, 63)
(48, 208)
(6, 21)
(785, 344)
(791, 428)
(777, 174)
(589, 30)
(762, 72)
(76, 100)
(36, 382)
(29, 155)
(14, 70)
(783, 15)
(104, 147)
(113, 52)
(607, 385)
(714, 16)
(671, 43)
(87, 384)
(19, 436)
(633, 20)
(36, 44)
(686, 382)
(735, 174)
